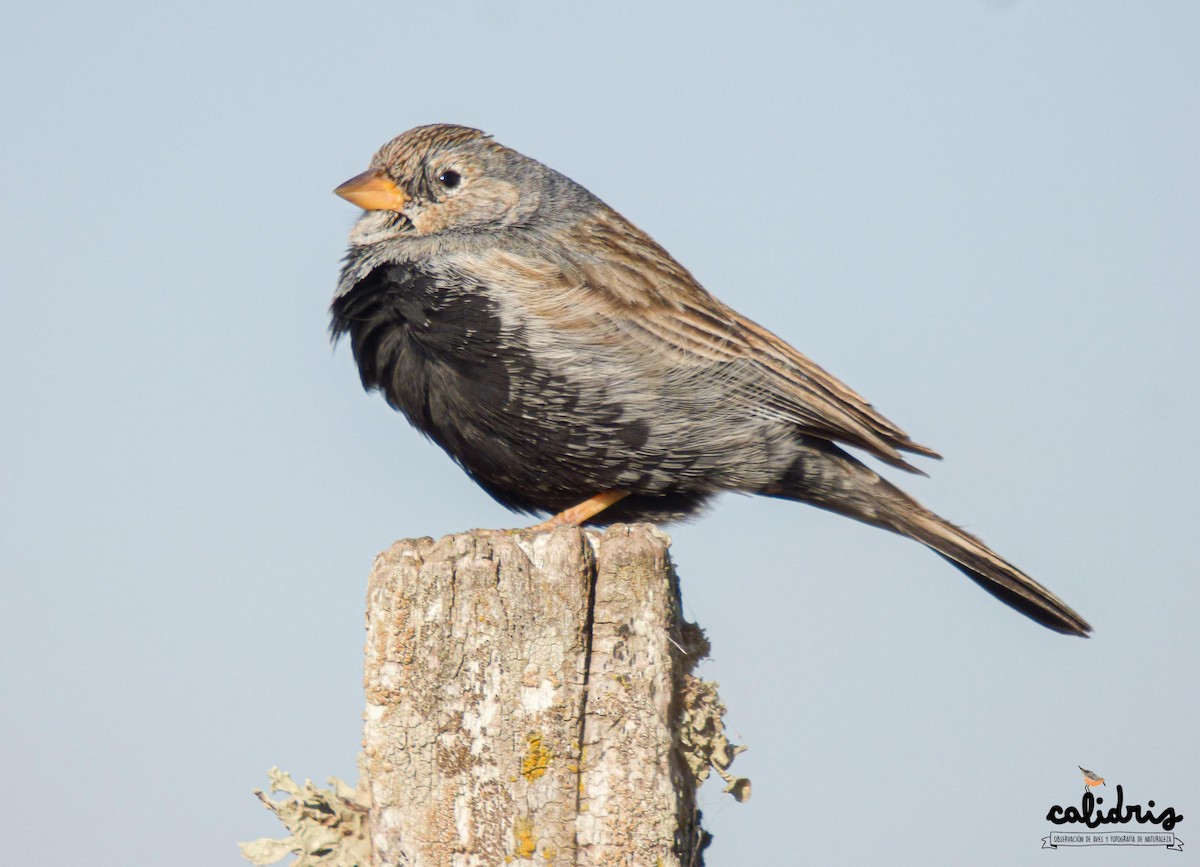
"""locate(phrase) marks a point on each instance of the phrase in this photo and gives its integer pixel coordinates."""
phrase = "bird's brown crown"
(402, 156)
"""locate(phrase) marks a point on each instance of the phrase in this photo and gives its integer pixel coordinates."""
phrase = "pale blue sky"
(984, 216)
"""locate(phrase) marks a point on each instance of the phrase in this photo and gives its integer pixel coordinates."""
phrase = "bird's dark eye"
(449, 179)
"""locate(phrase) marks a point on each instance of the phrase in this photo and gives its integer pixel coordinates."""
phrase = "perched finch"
(571, 366)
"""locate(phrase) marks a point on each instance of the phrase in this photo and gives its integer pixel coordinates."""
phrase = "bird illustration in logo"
(1091, 779)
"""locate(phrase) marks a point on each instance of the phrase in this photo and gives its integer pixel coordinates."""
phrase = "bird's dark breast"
(535, 438)
(432, 352)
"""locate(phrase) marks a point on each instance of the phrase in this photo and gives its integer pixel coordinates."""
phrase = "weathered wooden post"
(525, 695)
(529, 698)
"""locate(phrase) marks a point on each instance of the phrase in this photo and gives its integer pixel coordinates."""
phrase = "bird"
(1091, 779)
(572, 367)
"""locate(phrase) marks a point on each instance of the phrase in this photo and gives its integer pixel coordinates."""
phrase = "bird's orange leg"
(576, 515)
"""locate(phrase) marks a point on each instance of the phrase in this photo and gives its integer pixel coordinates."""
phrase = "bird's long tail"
(838, 482)
(992, 572)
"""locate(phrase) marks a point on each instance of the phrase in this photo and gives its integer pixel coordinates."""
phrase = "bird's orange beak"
(373, 191)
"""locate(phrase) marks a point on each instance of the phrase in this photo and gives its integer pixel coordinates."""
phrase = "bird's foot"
(576, 515)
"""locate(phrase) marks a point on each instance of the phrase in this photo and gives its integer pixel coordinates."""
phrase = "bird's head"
(443, 178)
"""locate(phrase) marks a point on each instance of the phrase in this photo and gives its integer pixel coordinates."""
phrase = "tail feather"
(825, 476)
(992, 572)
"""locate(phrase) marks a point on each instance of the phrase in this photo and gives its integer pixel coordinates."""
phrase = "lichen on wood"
(328, 827)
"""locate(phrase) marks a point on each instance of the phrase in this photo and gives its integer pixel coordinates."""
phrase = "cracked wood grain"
(522, 701)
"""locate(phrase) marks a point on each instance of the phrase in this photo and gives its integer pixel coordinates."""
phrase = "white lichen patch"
(538, 698)
(327, 827)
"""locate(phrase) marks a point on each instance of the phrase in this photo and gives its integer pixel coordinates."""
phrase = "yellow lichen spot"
(523, 841)
(537, 758)
(548, 852)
